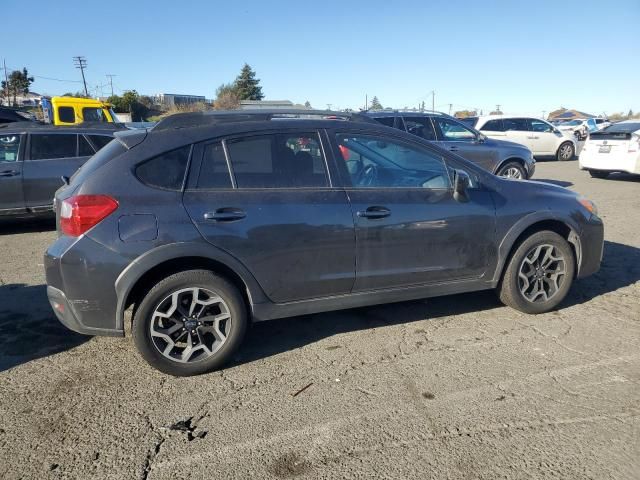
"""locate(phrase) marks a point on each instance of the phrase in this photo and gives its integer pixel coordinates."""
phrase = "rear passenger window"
(278, 161)
(66, 114)
(166, 170)
(421, 127)
(9, 148)
(53, 146)
(214, 172)
(493, 126)
(84, 149)
(100, 141)
(517, 124)
(387, 121)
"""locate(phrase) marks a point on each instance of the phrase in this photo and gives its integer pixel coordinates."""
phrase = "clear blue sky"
(526, 56)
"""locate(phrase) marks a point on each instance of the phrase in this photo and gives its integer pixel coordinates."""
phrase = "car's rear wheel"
(598, 173)
(512, 170)
(539, 273)
(565, 152)
(190, 323)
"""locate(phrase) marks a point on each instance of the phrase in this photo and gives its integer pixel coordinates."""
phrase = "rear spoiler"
(131, 138)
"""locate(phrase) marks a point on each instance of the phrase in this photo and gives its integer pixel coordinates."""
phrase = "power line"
(81, 63)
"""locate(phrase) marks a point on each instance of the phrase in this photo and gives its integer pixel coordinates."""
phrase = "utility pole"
(543, 112)
(6, 79)
(433, 100)
(497, 108)
(110, 76)
(366, 102)
(329, 106)
(450, 106)
(81, 63)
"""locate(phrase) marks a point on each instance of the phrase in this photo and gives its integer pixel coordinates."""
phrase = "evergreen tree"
(375, 104)
(247, 86)
(307, 104)
(630, 114)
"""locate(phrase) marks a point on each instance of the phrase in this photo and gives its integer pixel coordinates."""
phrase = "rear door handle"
(375, 212)
(9, 173)
(227, 214)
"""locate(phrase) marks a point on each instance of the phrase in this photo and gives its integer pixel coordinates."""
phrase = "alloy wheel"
(542, 273)
(566, 151)
(513, 172)
(190, 325)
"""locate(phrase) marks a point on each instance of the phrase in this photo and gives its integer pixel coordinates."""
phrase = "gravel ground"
(453, 387)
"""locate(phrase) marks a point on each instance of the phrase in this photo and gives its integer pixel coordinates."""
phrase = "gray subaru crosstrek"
(210, 221)
(502, 158)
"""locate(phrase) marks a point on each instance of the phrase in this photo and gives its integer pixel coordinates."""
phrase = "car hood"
(494, 142)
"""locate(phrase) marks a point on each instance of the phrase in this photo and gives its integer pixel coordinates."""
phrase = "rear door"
(517, 130)
(11, 154)
(277, 212)
(51, 156)
(457, 138)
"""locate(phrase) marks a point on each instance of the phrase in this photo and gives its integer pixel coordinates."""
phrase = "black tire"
(511, 166)
(205, 279)
(509, 289)
(566, 151)
(598, 173)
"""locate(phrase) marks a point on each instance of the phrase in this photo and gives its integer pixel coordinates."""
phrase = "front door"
(277, 213)
(457, 138)
(11, 197)
(543, 136)
(51, 155)
(409, 228)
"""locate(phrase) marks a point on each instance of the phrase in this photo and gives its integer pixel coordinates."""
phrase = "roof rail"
(401, 110)
(213, 117)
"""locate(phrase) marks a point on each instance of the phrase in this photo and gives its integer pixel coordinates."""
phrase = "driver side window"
(375, 161)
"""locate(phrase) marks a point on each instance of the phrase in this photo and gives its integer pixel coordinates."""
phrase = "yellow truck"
(73, 110)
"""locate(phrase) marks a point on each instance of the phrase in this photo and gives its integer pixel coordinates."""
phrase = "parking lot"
(452, 387)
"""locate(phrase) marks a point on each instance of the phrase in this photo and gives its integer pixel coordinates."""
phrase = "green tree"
(226, 97)
(630, 114)
(307, 104)
(129, 102)
(18, 84)
(375, 104)
(247, 86)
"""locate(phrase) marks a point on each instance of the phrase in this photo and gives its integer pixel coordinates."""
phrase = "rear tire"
(512, 170)
(190, 323)
(532, 282)
(598, 173)
(565, 152)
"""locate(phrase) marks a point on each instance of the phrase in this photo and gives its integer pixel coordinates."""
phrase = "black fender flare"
(512, 235)
(152, 258)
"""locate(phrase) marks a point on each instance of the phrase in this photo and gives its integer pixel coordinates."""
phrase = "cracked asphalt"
(453, 387)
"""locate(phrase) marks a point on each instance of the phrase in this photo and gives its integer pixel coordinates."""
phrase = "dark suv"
(210, 221)
(506, 159)
(35, 157)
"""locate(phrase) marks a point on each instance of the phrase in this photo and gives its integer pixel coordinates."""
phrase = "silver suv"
(506, 159)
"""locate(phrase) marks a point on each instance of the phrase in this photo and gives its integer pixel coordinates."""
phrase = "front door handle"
(227, 214)
(9, 173)
(375, 212)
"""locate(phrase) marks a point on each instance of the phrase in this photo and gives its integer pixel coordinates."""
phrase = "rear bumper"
(65, 313)
(617, 163)
(592, 247)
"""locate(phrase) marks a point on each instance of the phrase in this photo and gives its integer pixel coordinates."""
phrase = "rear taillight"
(82, 212)
(634, 144)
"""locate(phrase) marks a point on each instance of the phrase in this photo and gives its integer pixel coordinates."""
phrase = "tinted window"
(100, 141)
(451, 130)
(53, 146)
(376, 161)
(540, 126)
(214, 172)
(421, 127)
(93, 114)
(66, 114)
(388, 121)
(493, 126)
(273, 161)
(470, 121)
(166, 170)
(9, 148)
(84, 148)
(519, 124)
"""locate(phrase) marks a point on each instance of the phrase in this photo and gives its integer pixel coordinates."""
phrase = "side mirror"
(461, 183)
(481, 138)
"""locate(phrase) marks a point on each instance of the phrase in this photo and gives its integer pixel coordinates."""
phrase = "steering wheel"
(368, 176)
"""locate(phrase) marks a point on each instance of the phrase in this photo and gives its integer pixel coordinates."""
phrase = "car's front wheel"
(190, 323)
(512, 170)
(598, 173)
(539, 273)
(565, 152)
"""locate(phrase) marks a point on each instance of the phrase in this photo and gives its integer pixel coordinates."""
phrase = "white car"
(580, 127)
(602, 123)
(614, 149)
(542, 138)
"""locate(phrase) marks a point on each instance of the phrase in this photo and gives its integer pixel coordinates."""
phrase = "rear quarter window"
(165, 171)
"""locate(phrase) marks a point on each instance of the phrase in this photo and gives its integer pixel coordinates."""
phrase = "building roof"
(569, 114)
